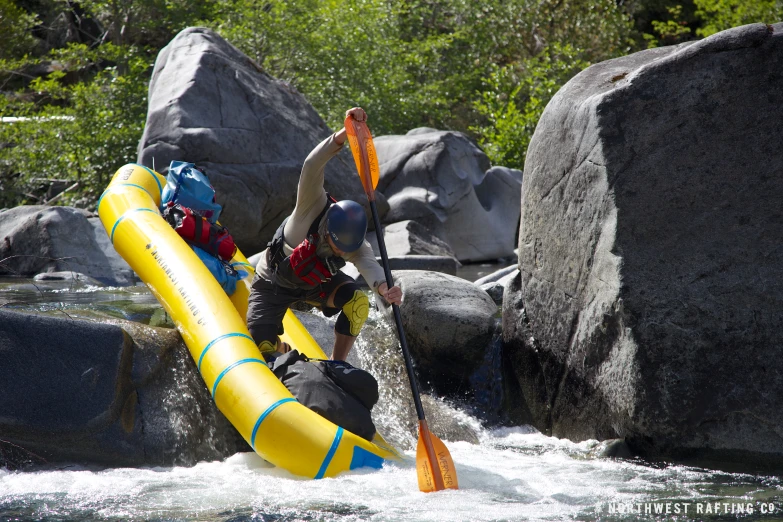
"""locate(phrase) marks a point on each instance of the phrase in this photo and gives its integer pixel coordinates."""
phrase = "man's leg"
(354, 308)
(342, 346)
(266, 307)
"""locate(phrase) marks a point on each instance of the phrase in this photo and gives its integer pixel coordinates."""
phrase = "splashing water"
(512, 474)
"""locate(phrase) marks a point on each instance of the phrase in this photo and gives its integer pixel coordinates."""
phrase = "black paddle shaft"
(397, 317)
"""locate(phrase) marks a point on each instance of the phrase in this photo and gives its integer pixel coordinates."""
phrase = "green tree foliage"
(719, 15)
(146, 23)
(339, 54)
(554, 41)
(514, 100)
(16, 26)
(75, 132)
(79, 71)
(429, 63)
(650, 16)
(673, 30)
(668, 22)
(79, 103)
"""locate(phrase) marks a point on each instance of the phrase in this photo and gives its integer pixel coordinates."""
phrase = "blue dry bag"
(189, 187)
(224, 273)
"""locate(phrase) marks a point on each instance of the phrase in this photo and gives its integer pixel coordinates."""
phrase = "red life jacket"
(197, 231)
(306, 265)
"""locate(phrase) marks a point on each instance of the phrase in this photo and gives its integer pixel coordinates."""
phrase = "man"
(303, 260)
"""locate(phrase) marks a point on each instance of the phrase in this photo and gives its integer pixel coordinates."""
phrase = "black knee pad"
(345, 293)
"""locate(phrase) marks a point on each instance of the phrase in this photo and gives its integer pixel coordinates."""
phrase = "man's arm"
(311, 181)
(310, 194)
(364, 261)
(364, 258)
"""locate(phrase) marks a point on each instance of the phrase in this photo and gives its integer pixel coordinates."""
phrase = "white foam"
(513, 474)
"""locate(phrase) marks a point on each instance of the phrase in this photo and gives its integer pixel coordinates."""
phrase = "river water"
(505, 473)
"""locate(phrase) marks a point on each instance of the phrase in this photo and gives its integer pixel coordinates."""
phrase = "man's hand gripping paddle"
(434, 464)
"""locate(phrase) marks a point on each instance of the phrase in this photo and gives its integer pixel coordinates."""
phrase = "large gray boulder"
(651, 273)
(409, 238)
(449, 323)
(121, 394)
(212, 105)
(37, 239)
(443, 181)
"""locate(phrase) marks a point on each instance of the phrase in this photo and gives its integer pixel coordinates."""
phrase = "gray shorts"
(268, 303)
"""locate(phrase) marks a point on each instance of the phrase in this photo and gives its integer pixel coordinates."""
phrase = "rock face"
(443, 181)
(104, 395)
(409, 238)
(648, 305)
(211, 105)
(449, 323)
(39, 239)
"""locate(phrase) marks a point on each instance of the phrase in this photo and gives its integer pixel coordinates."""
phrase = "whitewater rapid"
(512, 474)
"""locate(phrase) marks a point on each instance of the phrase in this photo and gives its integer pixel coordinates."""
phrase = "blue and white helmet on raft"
(346, 224)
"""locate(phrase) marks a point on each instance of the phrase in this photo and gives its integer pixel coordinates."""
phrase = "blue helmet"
(346, 224)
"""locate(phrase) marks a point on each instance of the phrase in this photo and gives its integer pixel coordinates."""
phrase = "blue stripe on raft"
(330, 455)
(114, 228)
(231, 367)
(154, 176)
(218, 339)
(365, 459)
(264, 416)
(109, 189)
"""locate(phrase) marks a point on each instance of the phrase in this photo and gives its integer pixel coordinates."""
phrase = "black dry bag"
(335, 390)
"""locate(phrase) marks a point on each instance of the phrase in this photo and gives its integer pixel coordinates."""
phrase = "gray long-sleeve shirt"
(310, 201)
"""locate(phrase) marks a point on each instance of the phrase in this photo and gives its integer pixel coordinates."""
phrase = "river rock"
(443, 181)
(38, 239)
(498, 276)
(182, 425)
(70, 277)
(211, 105)
(448, 324)
(104, 394)
(409, 238)
(319, 327)
(494, 284)
(447, 422)
(495, 291)
(651, 273)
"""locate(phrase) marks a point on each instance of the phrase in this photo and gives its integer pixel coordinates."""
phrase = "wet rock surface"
(114, 394)
(647, 305)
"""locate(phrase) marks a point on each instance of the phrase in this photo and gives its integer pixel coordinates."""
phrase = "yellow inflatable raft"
(280, 429)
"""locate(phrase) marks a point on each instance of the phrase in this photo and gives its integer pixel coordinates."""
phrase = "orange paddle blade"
(364, 155)
(434, 464)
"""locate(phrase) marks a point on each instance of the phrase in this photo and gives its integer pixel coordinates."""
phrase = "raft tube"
(281, 430)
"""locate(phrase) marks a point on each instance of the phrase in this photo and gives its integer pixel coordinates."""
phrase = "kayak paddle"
(434, 464)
